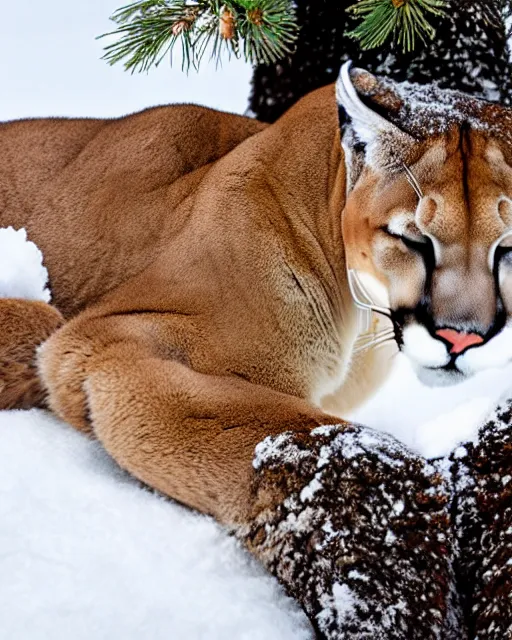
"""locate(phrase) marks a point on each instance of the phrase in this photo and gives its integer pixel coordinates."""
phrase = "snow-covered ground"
(430, 420)
(85, 552)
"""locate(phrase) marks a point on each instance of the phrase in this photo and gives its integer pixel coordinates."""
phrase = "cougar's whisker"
(413, 181)
(383, 339)
(372, 336)
(377, 334)
(372, 344)
(357, 290)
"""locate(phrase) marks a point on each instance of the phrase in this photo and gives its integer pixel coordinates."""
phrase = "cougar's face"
(430, 235)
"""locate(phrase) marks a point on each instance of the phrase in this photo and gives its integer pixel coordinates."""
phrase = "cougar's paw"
(357, 528)
(24, 325)
(19, 386)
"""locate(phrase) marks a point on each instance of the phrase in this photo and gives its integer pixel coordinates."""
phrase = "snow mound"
(86, 552)
(22, 274)
(433, 421)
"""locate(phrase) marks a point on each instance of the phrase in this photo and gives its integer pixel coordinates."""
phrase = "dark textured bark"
(469, 53)
(357, 528)
(483, 527)
(377, 543)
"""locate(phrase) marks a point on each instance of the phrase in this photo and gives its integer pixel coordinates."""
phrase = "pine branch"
(403, 20)
(149, 29)
(264, 31)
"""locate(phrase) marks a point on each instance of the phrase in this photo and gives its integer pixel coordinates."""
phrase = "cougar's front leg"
(352, 524)
(24, 325)
(64, 362)
(190, 435)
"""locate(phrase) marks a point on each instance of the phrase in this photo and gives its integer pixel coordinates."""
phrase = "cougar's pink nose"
(459, 340)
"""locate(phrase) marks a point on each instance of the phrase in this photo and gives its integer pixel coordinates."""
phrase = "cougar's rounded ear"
(365, 104)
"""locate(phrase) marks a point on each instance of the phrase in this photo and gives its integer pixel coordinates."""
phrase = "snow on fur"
(482, 472)
(22, 274)
(376, 542)
(427, 110)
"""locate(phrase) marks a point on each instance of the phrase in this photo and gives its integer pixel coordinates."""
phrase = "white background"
(50, 66)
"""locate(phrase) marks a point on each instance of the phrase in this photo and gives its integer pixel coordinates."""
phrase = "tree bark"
(469, 53)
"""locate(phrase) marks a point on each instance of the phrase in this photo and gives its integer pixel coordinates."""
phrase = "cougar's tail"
(24, 325)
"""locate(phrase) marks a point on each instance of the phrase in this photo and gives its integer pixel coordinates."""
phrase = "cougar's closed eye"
(410, 236)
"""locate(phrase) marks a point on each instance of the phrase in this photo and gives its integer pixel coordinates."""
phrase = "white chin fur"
(428, 355)
(438, 377)
(495, 354)
(422, 349)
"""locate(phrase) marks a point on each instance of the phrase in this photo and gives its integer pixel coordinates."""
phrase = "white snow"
(86, 552)
(272, 447)
(22, 274)
(357, 575)
(309, 490)
(433, 421)
(341, 604)
(344, 600)
(398, 507)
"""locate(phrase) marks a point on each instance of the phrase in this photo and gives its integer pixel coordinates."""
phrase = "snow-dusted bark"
(482, 474)
(375, 542)
(469, 53)
(357, 528)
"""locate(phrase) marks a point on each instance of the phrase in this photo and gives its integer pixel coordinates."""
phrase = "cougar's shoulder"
(98, 196)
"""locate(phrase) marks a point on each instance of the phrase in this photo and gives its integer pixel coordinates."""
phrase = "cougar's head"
(428, 219)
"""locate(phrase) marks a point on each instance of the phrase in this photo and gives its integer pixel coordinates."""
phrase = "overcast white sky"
(50, 65)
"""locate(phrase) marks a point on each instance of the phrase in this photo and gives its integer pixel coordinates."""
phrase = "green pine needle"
(262, 31)
(147, 30)
(383, 19)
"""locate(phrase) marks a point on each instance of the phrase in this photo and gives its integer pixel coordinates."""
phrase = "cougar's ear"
(366, 104)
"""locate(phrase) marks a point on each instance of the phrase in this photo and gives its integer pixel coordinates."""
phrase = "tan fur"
(24, 325)
(199, 259)
(202, 278)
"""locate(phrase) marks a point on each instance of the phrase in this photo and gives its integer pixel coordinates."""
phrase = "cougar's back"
(102, 197)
